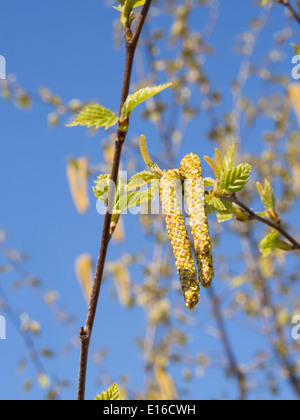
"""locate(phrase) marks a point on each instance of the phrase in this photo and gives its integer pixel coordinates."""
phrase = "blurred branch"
(234, 366)
(86, 332)
(273, 331)
(288, 5)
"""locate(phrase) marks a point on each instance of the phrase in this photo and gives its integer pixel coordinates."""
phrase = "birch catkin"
(191, 170)
(179, 237)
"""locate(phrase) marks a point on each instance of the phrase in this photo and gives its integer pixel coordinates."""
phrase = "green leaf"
(101, 188)
(215, 202)
(112, 393)
(141, 179)
(229, 157)
(267, 196)
(225, 215)
(140, 96)
(296, 48)
(139, 3)
(234, 179)
(130, 4)
(264, 2)
(95, 116)
(138, 197)
(272, 241)
(209, 182)
(213, 165)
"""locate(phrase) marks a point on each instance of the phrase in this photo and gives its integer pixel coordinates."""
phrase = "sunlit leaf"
(112, 393)
(95, 116)
(272, 241)
(234, 179)
(140, 96)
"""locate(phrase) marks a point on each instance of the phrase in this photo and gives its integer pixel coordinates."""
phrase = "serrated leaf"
(233, 180)
(215, 202)
(272, 241)
(95, 116)
(140, 180)
(229, 157)
(140, 96)
(225, 215)
(266, 193)
(139, 197)
(101, 188)
(111, 394)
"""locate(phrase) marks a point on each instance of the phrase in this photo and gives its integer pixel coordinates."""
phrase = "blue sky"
(67, 46)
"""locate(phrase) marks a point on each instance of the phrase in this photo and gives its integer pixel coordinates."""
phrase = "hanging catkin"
(191, 170)
(179, 237)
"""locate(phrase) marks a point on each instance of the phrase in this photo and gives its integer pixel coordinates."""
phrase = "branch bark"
(86, 332)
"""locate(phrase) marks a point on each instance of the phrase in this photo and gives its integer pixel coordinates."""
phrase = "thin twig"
(253, 216)
(86, 332)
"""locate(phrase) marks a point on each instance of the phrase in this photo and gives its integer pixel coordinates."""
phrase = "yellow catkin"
(191, 170)
(180, 241)
(77, 173)
(84, 272)
(294, 98)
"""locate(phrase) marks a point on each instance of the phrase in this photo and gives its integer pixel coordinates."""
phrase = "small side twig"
(253, 216)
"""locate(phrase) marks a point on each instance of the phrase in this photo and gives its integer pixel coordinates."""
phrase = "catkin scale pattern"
(169, 184)
(191, 170)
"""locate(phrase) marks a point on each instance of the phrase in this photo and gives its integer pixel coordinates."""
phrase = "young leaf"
(112, 393)
(215, 202)
(140, 96)
(209, 182)
(227, 214)
(213, 165)
(101, 188)
(139, 197)
(140, 179)
(219, 158)
(266, 193)
(234, 179)
(296, 48)
(229, 157)
(95, 116)
(272, 241)
(144, 152)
